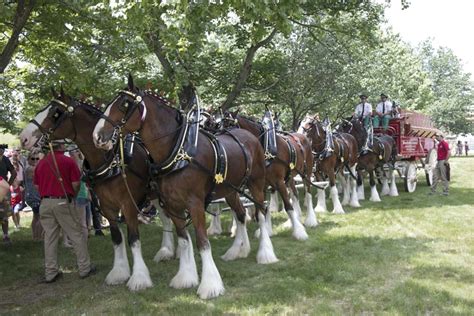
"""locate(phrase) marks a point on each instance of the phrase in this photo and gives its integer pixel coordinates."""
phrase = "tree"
(20, 17)
(451, 88)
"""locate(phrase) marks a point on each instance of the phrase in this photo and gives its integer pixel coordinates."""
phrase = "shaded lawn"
(411, 254)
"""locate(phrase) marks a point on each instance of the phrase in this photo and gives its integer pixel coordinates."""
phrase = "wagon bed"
(413, 134)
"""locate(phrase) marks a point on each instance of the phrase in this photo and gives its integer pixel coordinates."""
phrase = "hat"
(362, 96)
(383, 95)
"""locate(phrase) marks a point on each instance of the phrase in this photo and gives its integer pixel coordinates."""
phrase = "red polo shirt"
(46, 179)
(443, 149)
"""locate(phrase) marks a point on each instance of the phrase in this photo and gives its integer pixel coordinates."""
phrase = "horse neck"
(84, 123)
(361, 135)
(318, 139)
(250, 126)
(159, 130)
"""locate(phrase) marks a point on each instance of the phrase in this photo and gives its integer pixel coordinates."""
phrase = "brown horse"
(191, 188)
(382, 151)
(65, 117)
(280, 171)
(330, 161)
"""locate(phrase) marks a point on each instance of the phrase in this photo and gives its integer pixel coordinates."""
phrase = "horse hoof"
(266, 258)
(164, 254)
(311, 223)
(208, 291)
(300, 235)
(184, 280)
(117, 276)
(139, 281)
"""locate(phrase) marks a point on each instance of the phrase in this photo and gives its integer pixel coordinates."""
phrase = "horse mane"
(251, 119)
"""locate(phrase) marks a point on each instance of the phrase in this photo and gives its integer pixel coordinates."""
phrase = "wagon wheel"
(430, 164)
(410, 177)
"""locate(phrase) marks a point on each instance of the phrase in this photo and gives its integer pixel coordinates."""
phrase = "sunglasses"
(35, 158)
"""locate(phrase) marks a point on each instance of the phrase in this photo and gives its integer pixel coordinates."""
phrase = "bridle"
(127, 108)
(58, 120)
(313, 124)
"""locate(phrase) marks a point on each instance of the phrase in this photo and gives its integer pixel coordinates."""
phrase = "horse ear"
(130, 82)
(54, 93)
(61, 92)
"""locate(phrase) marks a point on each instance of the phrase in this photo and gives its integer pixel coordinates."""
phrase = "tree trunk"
(22, 14)
(245, 71)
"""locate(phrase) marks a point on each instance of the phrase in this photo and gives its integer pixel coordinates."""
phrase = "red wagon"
(414, 136)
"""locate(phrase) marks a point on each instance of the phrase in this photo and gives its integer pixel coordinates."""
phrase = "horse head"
(51, 122)
(356, 128)
(127, 112)
(230, 118)
(313, 128)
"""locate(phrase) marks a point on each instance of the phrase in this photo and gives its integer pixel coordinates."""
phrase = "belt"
(53, 197)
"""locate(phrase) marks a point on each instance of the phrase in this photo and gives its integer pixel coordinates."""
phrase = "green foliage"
(452, 90)
(323, 55)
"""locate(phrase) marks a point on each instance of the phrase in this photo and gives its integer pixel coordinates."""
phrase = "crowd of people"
(19, 190)
(460, 146)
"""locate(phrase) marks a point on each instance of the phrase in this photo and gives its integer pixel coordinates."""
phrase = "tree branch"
(253, 90)
(155, 45)
(245, 71)
(22, 14)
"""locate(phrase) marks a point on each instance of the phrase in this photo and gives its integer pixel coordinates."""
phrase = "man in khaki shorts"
(58, 211)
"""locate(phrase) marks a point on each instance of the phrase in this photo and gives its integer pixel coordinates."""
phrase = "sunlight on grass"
(411, 254)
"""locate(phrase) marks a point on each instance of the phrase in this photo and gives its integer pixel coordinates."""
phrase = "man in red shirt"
(58, 211)
(439, 172)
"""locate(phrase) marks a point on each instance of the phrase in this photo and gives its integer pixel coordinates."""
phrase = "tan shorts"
(5, 211)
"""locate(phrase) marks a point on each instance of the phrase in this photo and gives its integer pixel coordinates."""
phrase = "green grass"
(412, 254)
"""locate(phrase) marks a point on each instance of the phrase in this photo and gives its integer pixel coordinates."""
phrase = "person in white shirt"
(363, 111)
(383, 112)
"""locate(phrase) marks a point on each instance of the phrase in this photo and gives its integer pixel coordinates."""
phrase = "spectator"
(32, 196)
(57, 178)
(466, 148)
(363, 111)
(6, 168)
(440, 171)
(83, 201)
(459, 148)
(16, 202)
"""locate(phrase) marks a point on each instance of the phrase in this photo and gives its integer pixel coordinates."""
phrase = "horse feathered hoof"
(211, 282)
(164, 254)
(118, 275)
(140, 281)
(207, 291)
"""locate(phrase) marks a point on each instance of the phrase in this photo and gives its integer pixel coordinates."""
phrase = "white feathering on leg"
(265, 254)
(393, 186)
(166, 251)
(335, 201)
(140, 278)
(311, 220)
(211, 282)
(374, 195)
(120, 272)
(385, 187)
(187, 275)
(321, 204)
(273, 207)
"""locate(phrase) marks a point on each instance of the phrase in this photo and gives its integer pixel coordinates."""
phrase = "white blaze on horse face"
(98, 130)
(303, 124)
(27, 137)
